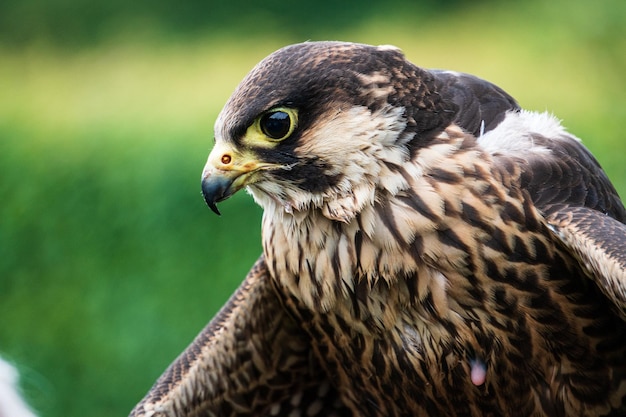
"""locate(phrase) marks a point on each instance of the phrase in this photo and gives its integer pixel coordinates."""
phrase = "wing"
(599, 243)
(568, 186)
(481, 105)
(251, 359)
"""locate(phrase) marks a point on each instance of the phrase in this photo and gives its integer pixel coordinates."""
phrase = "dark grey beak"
(216, 188)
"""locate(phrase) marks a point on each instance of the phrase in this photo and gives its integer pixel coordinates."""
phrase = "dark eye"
(277, 124)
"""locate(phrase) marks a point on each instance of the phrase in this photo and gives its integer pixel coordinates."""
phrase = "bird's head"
(318, 125)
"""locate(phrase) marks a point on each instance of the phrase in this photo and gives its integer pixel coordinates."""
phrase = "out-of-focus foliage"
(109, 261)
(83, 21)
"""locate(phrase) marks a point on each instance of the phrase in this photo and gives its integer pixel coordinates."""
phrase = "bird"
(430, 248)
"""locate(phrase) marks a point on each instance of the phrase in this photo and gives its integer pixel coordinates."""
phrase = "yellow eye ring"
(278, 124)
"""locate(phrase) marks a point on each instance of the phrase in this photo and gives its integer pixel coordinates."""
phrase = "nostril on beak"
(226, 159)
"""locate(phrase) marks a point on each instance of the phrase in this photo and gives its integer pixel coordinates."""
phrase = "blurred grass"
(109, 261)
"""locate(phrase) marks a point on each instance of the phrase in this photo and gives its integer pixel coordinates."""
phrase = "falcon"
(429, 249)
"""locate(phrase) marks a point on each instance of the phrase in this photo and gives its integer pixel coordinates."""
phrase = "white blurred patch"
(454, 73)
(514, 135)
(388, 48)
(11, 403)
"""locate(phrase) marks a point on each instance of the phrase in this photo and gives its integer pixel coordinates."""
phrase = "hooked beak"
(216, 188)
(225, 173)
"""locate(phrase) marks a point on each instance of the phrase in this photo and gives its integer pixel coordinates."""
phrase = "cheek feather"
(355, 151)
(350, 138)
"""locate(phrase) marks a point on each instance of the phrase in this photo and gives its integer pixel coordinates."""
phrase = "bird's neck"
(328, 264)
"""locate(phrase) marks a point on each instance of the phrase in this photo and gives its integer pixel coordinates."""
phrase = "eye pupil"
(276, 125)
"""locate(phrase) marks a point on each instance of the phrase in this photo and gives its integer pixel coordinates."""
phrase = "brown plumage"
(429, 250)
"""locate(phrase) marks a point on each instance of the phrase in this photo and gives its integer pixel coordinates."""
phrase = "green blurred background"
(109, 261)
